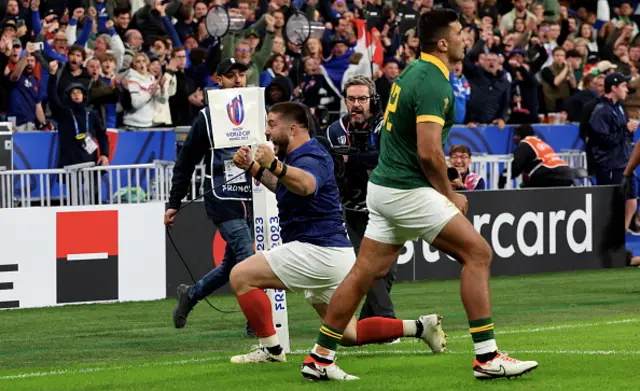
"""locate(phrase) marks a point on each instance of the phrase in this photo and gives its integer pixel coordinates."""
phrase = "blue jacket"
(610, 143)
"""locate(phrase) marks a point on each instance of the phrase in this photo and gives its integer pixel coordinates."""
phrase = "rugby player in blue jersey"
(316, 254)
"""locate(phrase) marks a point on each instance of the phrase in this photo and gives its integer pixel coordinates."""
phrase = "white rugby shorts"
(313, 269)
(397, 215)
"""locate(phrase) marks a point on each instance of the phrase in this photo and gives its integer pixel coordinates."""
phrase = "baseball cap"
(229, 64)
(604, 66)
(614, 79)
(250, 32)
(16, 43)
(516, 51)
(9, 23)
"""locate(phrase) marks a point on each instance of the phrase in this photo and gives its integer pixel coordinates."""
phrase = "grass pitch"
(582, 327)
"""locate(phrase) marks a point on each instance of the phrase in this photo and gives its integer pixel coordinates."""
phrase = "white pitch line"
(351, 352)
(538, 329)
(347, 352)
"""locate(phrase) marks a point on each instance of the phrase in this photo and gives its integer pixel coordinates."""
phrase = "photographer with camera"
(355, 138)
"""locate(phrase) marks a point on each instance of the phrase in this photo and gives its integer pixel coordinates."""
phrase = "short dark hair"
(524, 130)
(79, 49)
(433, 26)
(292, 111)
(177, 50)
(121, 11)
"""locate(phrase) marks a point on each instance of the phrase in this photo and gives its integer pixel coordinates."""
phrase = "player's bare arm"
(434, 166)
(296, 180)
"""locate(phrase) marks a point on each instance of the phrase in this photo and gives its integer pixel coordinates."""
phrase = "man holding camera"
(355, 137)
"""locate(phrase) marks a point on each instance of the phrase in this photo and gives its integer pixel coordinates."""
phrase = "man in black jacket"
(229, 207)
(81, 133)
(490, 90)
(358, 134)
(611, 137)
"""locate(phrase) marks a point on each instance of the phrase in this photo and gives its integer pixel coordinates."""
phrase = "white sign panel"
(71, 255)
(237, 115)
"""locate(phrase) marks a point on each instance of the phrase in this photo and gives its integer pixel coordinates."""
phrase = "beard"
(357, 117)
(280, 147)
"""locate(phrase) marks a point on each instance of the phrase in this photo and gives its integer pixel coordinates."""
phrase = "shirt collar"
(435, 61)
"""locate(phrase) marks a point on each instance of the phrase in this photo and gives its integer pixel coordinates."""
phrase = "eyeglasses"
(360, 99)
(243, 50)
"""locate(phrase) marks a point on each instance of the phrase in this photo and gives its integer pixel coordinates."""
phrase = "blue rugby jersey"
(316, 218)
(462, 93)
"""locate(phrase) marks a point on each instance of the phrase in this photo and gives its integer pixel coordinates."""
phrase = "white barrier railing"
(88, 184)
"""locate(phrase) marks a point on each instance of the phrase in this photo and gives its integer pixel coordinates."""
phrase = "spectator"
(122, 18)
(144, 90)
(110, 78)
(390, 71)
(279, 90)
(519, 11)
(461, 91)
(524, 86)
(73, 72)
(167, 85)
(276, 66)
(489, 89)
(587, 33)
(460, 159)
(188, 98)
(558, 82)
(577, 101)
(102, 93)
(241, 50)
(82, 136)
(24, 99)
(133, 44)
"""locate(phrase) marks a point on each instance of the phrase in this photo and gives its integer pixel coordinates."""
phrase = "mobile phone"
(38, 46)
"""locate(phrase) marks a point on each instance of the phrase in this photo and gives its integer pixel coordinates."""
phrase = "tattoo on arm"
(269, 180)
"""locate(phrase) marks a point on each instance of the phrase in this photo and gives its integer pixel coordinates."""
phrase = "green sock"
(328, 337)
(481, 330)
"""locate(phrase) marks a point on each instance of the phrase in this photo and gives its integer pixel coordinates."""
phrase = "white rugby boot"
(258, 354)
(432, 334)
(502, 366)
(313, 370)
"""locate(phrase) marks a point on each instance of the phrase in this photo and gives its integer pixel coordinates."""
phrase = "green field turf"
(582, 327)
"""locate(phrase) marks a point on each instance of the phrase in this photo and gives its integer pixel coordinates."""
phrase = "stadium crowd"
(145, 64)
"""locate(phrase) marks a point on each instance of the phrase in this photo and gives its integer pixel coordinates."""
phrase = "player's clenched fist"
(265, 155)
(242, 158)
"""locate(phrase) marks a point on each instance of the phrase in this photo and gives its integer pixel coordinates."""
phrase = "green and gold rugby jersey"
(422, 93)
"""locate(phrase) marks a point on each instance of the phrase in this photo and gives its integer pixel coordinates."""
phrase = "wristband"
(259, 173)
(283, 172)
(274, 165)
(251, 166)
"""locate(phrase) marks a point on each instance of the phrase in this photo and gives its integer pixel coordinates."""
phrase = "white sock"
(270, 342)
(485, 347)
(331, 356)
(409, 328)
